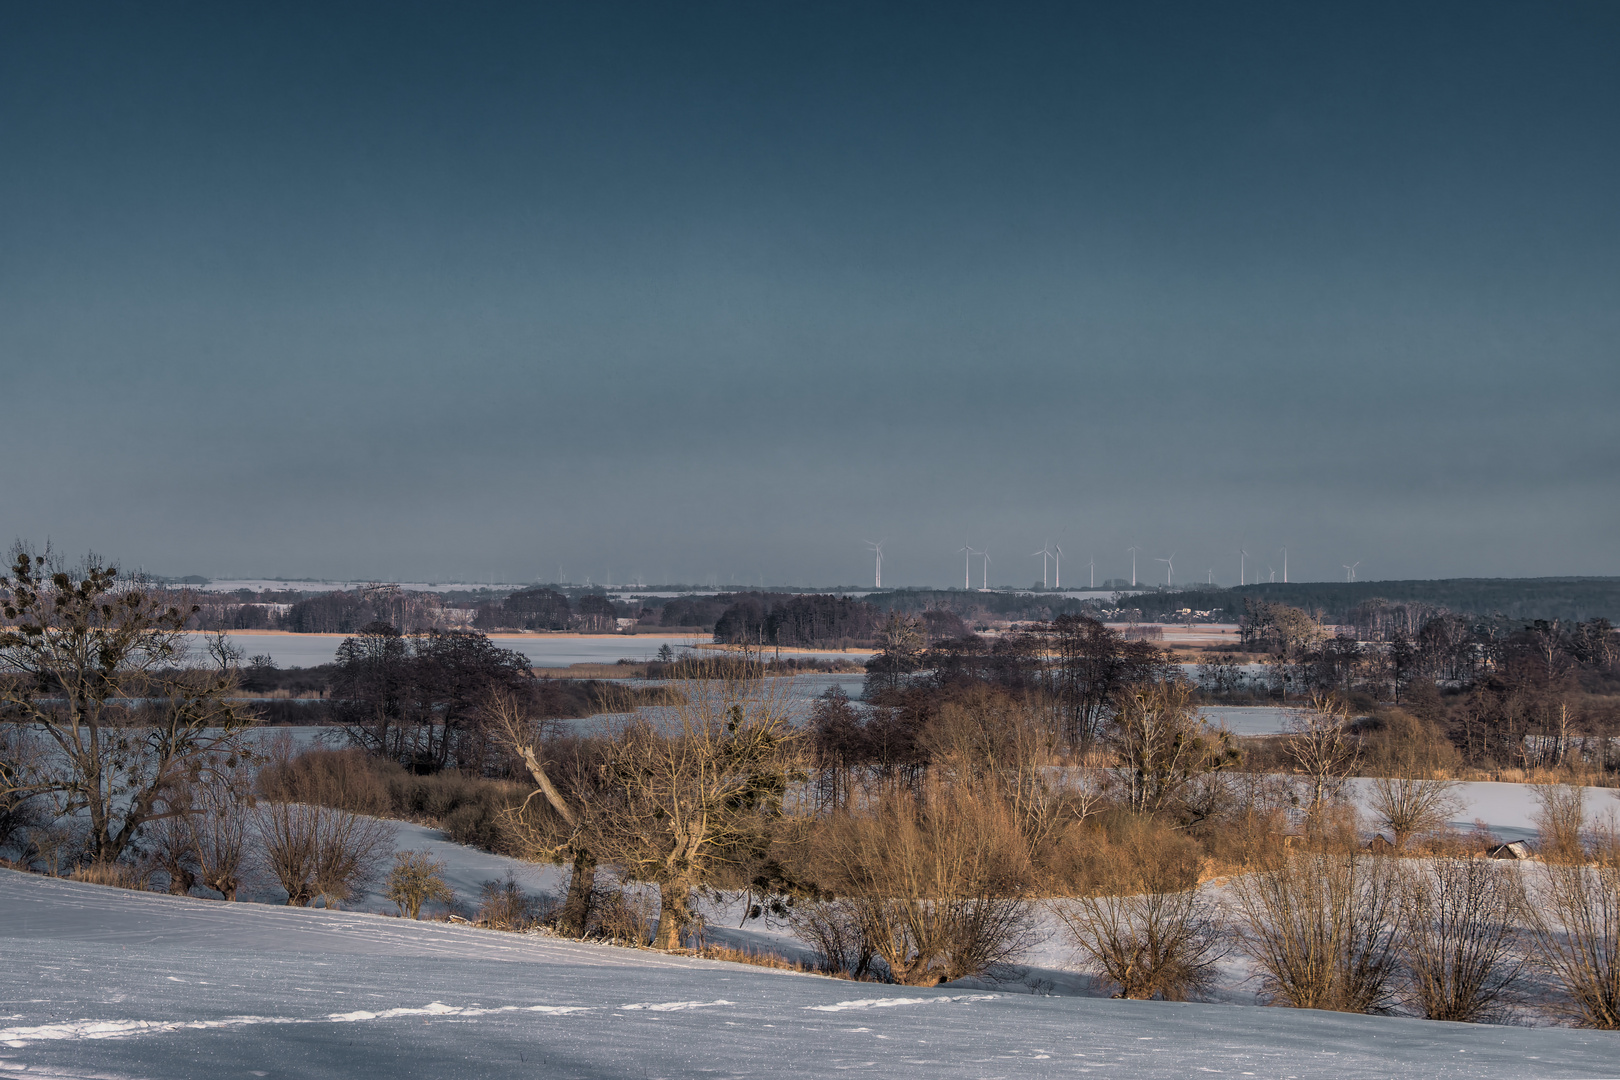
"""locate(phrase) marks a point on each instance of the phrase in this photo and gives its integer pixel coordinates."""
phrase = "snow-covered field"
(99, 982)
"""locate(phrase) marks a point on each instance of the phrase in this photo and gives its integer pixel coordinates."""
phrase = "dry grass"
(749, 956)
(118, 875)
(593, 671)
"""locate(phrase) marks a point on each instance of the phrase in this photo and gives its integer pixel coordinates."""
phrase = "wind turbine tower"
(1092, 566)
(877, 575)
(1057, 566)
(1243, 557)
(1285, 565)
(1045, 555)
(967, 553)
(1169, 568)
(1350, 570)
(1133, 549)
(984, 582)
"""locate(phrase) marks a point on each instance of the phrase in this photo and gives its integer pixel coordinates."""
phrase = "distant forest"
(1569, 599)
(776, 617)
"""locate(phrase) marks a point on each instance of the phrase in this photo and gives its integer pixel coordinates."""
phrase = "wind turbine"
(877, 577)
(1133, 549)
(1209, 576)
(1242, 567)
(1285, 565)
(1271, 573)
(1350, 570)
(984, 582)
(967, 553)
(1045, 555)
(1092, 566)
(1057, 567)
(1169, 568)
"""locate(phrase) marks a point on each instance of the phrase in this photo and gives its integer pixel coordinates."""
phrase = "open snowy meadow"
(101, 982)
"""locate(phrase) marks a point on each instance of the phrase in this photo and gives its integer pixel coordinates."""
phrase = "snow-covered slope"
(108, 983)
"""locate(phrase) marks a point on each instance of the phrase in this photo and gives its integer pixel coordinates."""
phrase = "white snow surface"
(101, 982)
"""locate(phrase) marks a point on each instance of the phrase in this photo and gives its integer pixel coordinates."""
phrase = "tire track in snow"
(886, 1003)
(18, 1037)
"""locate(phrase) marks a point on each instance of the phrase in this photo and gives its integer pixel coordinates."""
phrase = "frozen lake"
(1248, 719)
(312, 650)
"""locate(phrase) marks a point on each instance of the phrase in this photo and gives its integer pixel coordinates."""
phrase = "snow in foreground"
(109, 983)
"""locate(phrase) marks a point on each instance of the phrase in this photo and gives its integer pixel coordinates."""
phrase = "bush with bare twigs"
(1575, 924)
(416, 879)
(1153, 935)
(504, 905)
(1319, 927)
(319, 852)
(1459, 922)
(938, 885)
(832, 928)
(1560, 818)
(627, 916)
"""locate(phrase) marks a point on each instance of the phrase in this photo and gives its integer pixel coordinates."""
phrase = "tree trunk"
(674, 913)
(576, 913)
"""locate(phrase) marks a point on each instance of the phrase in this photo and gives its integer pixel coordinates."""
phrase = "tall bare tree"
(567, 831)
(1409, 807)
(1162, 744)
(698, 787)
(97, 665)
(1321, 746)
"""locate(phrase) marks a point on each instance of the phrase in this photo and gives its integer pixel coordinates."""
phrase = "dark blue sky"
(690, 291)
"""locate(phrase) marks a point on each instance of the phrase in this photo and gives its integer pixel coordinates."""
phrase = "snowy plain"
(99, 982)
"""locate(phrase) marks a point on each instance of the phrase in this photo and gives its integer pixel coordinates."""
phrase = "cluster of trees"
(1075, 666)
(826, 622)
(417, 699)
(1500, 696)
(548, 609)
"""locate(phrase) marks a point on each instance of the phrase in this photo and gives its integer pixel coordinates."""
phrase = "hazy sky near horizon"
(719, 291)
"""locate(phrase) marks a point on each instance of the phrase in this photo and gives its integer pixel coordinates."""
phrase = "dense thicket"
(808, 621)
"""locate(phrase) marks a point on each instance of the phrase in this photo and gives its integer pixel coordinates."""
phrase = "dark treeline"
(1571, 599)
(816, 621)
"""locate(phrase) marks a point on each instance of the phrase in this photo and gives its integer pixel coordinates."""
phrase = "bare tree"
(1319, 927)
(1408, 807)
(1559, 818)
(171, 848)
(1575, 923)
(1322, 749)
(222, 829)
(697, 786)
(993, 742)
(94, 663)
(1162, 743)
(567, 832)
(1459, 921)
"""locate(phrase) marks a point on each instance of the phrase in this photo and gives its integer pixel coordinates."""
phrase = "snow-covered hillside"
(108, 983)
